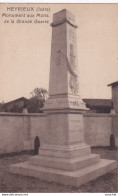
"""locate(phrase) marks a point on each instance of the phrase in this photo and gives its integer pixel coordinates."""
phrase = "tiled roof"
(15, 100)
(98, 102)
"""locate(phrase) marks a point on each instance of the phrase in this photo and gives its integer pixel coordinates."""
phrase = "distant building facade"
(99, 105)
(114, 86)
(1, 107)
(95, 105)
(16, 105)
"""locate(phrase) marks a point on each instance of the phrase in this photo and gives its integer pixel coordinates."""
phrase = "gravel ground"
(16, 183)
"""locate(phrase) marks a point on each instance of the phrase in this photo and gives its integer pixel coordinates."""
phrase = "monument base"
(65, 157)
(74, 178)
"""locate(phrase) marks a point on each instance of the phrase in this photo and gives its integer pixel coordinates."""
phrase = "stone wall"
(98, 129)
(18, 131)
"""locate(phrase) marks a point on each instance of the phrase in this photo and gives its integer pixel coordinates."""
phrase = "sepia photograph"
(58, 98)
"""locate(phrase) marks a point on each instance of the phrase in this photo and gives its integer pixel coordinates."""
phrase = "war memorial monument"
(64, 157)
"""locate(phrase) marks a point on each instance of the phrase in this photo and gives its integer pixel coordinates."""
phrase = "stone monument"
(64, 157)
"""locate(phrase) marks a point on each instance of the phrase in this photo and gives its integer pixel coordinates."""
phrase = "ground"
(16, 183)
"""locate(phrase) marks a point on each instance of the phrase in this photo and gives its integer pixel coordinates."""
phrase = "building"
(99, 105)
(16, 105)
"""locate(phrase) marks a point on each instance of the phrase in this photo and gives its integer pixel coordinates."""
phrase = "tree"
(37, 100)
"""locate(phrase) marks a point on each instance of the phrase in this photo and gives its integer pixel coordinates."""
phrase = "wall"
(34, 125)
(97, 129)
(115, 128)
(18, 131)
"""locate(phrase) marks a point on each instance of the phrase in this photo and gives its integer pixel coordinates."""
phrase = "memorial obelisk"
(64, 157)
(64, 105)
(64, 90)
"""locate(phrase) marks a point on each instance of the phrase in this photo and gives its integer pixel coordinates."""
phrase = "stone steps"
(64, 164)
(74, 178)
(70, 152)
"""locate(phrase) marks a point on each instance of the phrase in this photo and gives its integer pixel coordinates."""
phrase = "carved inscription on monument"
(58, 57)
(75, 125)
(76, 129)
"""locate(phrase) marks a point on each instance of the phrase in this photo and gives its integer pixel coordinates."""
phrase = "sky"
(25, 50)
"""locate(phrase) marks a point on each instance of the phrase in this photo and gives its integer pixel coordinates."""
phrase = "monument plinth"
(64, 157)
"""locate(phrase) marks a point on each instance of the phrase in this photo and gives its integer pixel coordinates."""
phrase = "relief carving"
(72, 68)
(74, 82)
